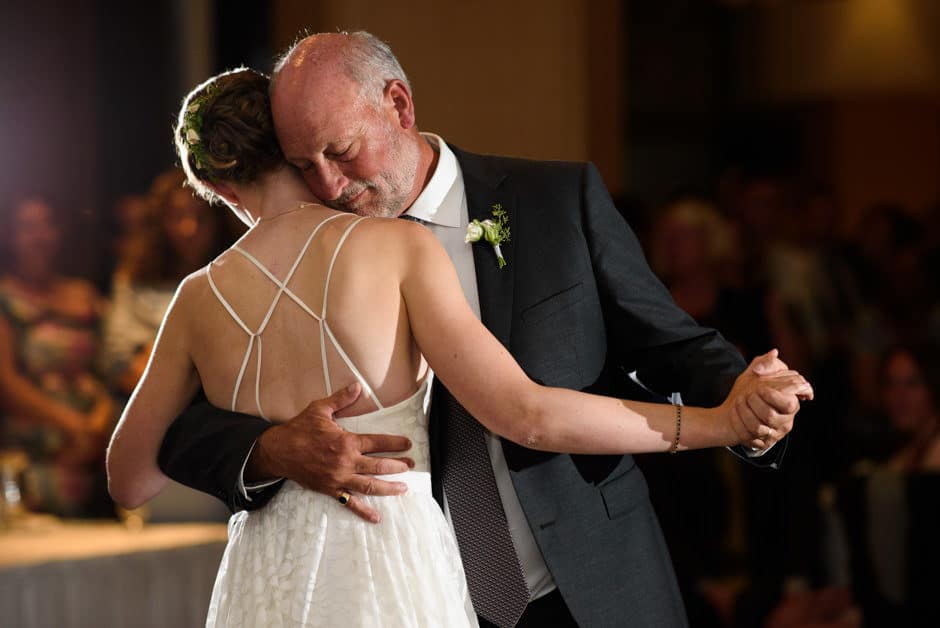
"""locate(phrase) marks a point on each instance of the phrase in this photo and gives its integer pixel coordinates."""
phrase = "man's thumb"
(345, 397)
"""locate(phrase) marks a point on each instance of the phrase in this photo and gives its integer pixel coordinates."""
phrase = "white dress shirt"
(442, 208)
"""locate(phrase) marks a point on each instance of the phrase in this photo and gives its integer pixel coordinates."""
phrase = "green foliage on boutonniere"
(495, 231)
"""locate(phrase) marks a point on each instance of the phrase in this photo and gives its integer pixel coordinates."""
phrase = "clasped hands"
(762, 404)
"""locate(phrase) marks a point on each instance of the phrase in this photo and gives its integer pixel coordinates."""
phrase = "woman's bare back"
(236, 311)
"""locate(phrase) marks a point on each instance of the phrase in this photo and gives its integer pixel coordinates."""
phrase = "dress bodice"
(408, 418)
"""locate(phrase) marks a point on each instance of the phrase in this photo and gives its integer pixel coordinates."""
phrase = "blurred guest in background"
(130, 214)
(176, 234)
(886, 260)
(691, 250)
(884, 515)
(911, 391)
(55, 407)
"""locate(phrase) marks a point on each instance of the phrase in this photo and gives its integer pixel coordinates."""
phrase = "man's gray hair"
(369, 61)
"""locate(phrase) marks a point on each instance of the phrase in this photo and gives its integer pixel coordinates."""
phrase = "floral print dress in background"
(55, 349)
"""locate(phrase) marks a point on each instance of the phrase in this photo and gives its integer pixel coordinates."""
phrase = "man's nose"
(330, 182)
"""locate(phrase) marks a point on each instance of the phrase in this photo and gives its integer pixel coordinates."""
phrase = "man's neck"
(428, 155)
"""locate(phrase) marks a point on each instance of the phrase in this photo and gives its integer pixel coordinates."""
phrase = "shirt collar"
(433, 205)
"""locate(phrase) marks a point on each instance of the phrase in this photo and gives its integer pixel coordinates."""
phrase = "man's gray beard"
(398, 188)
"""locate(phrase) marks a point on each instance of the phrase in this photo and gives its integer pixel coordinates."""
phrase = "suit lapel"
(494, 285)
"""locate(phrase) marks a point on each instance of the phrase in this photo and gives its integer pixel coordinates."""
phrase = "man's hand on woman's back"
(312, 450)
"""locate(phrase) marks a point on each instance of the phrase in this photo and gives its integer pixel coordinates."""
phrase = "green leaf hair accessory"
(192, 129)
(495, 231)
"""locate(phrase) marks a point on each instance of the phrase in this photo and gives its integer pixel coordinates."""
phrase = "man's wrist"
(261, 466)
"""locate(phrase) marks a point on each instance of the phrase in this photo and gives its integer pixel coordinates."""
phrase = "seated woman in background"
(54, 407)
(911, 384)
(177, 234)
(882, 518)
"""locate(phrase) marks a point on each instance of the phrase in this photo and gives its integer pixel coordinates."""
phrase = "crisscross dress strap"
(254, 337)
(326, 332)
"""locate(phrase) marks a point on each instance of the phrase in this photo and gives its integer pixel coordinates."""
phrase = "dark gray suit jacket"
(578, 307)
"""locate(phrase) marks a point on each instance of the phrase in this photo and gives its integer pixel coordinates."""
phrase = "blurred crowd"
(842, 530)
(69, 355)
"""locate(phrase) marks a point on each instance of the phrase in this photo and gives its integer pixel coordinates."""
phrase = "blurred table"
(102, 574)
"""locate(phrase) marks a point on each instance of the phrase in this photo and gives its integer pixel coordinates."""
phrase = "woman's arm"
(167, 386)
(485, 378)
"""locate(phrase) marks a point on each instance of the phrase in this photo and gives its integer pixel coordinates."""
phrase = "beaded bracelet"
(675, 443)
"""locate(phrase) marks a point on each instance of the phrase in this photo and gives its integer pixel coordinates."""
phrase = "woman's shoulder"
(195, 284)
(379, 238)
(396, 232)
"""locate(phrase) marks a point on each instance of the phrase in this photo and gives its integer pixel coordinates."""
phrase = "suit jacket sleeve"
(205, 448)
(647, 331)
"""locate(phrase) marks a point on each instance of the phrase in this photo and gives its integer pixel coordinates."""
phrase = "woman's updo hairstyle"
(225, 132)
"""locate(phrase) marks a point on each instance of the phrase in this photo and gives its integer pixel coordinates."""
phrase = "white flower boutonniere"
(495, 231)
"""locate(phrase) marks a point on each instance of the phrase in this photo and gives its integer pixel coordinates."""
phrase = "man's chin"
(370, 205)
(374, 209)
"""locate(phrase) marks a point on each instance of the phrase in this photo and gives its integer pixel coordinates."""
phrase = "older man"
(546, 539)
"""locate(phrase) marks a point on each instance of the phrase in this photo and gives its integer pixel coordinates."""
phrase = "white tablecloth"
(100, 575)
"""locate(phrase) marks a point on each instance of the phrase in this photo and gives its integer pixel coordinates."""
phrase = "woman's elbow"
(125, 494)
(124, 487)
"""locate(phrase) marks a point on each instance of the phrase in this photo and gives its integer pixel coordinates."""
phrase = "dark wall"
(87, 97)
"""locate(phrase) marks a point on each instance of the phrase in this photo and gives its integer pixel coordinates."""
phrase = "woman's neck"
(278, 192)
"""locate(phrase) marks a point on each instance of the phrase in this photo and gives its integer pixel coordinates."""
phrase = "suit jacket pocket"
(624, 493)
(552, 305)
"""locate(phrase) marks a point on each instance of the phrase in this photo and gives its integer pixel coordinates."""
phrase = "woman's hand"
(763, 402)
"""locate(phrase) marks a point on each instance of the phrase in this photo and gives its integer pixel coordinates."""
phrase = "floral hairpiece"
(192, 128)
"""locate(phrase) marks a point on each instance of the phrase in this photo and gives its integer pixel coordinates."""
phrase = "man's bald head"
(360, 55)
(344, 115)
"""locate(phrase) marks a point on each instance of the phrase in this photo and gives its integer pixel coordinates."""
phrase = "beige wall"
(873, 68)
(808, 50)
(885, 150)
(494, 76)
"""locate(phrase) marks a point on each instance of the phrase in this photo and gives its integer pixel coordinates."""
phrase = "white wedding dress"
(304, 560)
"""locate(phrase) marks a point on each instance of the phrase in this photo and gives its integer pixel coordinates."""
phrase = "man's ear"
(400, 96)
(226, 192)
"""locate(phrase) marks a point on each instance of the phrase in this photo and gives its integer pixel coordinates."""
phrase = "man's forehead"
(321, 114)
(320, 133)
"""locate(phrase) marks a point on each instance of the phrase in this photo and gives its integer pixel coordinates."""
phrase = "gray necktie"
(494, 575)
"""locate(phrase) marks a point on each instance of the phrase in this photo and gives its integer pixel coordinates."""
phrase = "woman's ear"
(227, 193)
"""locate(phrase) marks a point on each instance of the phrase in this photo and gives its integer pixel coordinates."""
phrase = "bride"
(311, 300)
